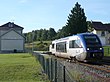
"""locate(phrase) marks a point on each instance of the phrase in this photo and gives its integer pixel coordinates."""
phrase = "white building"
(11, 38)
(103, 31)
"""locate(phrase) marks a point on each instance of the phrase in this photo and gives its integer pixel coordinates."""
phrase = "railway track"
(100, 65)
(100, 69)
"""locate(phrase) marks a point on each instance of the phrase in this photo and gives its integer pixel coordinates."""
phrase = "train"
(80, 47)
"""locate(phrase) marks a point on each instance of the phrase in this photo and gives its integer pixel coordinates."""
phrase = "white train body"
(77, 46)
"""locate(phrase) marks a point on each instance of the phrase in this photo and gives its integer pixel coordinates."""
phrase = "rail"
(59, 70)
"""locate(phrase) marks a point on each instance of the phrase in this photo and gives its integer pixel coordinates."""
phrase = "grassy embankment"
(20, 68)
(38, 45)
(106, 50)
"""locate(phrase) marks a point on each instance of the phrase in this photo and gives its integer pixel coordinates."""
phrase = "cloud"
(23, 1)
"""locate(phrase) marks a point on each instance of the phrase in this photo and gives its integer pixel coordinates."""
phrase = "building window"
(10, 25)
(103, 33)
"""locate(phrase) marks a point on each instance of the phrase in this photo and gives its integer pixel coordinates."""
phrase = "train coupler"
(73, 59)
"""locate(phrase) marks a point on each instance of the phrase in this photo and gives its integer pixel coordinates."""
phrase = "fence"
(55, 70)
(61, 71)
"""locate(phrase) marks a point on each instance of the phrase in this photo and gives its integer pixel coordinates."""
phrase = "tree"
(76, 22)
(39, 34)
(51, 34)
(90, 26)
(29, 37)
(62, 32)
(44, 35)
(35, 35)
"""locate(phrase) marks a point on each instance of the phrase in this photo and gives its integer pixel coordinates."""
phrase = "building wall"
(4, 31)
(105, 39)
(12, 35)
(108, 38)
(11, 41)
(94, 31)
(11, 45)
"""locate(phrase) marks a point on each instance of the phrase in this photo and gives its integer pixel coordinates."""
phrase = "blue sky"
(37, 14)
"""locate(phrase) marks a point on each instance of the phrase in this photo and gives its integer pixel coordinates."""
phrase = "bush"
(41, 47)
(38, 46)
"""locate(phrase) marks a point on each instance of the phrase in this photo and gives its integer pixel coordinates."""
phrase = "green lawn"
(106, 50)
(20, 68)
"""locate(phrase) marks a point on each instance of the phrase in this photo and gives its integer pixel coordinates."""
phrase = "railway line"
(103, 69)
(99, 66)
(97, 70)
(103, 64)
(100, 69)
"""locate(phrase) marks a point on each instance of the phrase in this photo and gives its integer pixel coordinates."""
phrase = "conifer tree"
(76, 22)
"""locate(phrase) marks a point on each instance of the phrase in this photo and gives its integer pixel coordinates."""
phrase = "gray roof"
(100, 26)
(9, 25)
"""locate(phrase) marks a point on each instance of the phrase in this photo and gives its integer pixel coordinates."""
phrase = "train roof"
(85, 34)
(66, 38)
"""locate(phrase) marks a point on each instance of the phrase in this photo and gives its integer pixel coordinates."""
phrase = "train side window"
(53, 45)
(57, 47)
(71, 44)
(61, 47)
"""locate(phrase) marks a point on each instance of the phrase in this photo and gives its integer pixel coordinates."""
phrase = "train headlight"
(100, 48)
(87, 48)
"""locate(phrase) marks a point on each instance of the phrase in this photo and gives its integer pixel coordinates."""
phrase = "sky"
(37, 14)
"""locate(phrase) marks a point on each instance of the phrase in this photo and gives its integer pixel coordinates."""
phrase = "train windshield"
(92, 41)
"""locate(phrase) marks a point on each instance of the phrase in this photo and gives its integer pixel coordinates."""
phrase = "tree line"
(76, 23)
(40, 35)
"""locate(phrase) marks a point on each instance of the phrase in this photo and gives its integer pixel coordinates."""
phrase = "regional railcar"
(84, 46)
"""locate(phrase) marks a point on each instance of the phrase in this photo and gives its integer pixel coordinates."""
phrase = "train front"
(93, 47)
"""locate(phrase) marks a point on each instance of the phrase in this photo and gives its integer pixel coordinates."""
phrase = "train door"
(75, 48)
(61, 49)
(71, 50)
(52, 48)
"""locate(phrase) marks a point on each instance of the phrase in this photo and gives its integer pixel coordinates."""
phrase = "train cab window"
(53, 45)
(92, 41)
(75, 44)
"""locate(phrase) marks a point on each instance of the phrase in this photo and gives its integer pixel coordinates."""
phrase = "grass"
(38, 45)
(106, 50)
(20, 68)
